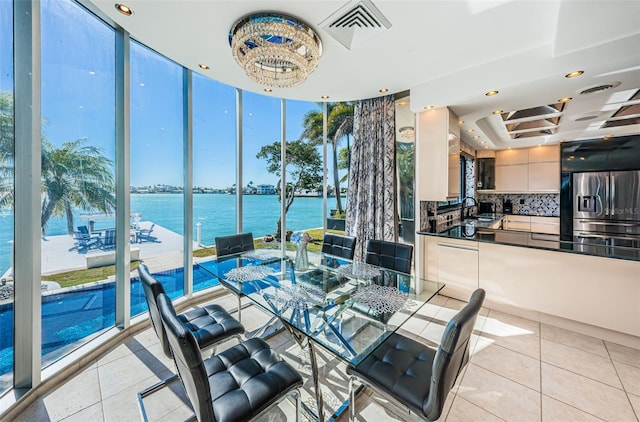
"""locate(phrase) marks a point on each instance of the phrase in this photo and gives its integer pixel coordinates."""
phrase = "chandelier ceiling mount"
(275, 50)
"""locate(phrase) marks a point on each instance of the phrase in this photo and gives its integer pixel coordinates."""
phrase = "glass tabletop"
(347, 307)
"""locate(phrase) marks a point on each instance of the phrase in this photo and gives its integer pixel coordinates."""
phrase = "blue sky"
(78, 101)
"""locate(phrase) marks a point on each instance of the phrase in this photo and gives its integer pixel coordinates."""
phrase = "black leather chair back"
(452, 355)
(152, 288)
(188, 359)
(395, 256)
(235, 243)
(339, 245)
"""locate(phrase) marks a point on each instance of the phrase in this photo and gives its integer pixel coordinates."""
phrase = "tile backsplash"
(547, 205)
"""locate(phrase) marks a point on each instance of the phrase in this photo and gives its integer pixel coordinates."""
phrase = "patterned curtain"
(371, 200)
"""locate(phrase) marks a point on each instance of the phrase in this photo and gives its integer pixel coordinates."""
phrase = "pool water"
(71, 316)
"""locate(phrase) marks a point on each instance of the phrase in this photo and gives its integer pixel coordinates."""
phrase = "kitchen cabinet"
(453, 262)
(543, 154)
(548, 225)
(512, 178)
(528, 170)
(544, 169)
(437, 155)
(553, 286)
(518, 223)
(564, 285)
(544, 177)
(507, 157)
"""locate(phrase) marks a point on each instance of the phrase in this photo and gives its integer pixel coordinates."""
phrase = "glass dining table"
(346, 307)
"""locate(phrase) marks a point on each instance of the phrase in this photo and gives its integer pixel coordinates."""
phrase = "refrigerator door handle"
(612, 195)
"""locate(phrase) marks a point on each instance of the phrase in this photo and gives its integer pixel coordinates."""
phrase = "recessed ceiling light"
(497, 111)
(403, 103)
(565, 99)
(482, 142)
(469, 130)
(582, 158)
(574, 74)
(491, 93)
(268, 90)
(125, 10)
(91, 72)
(460, 122)
(325, 97)
(383, 90)
(486, 146)
(476, 137)
(607, 137)
(203, 66)
(509, 148)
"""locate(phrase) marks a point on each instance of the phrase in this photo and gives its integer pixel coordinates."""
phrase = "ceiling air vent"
(355, 22)
(598, 88)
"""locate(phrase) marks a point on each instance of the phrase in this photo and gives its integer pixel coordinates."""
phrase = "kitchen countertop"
(487, 230)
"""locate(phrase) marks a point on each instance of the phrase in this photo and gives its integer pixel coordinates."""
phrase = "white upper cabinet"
(507, 157)
(545, 153)
(528, 170)
(437, 155)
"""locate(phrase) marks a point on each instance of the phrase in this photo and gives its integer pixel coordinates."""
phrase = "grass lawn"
(74, 278)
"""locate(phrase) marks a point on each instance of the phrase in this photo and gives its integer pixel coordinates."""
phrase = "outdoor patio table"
(346, 307)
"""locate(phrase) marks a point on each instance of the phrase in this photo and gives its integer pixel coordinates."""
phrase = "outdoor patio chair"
(413, 374)
(210, 325)
(109, 239)
(239, 384)
(227, 245)
(84, 241)
(145, 234)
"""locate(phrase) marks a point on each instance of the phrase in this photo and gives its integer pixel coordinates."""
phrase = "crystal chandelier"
(275, 50)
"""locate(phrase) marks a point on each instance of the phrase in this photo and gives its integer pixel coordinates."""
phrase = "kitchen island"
(539, 277)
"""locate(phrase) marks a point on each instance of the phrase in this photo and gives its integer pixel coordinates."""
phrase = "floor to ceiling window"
(339, 141)
(157, 178)
(6, 194)
(304, 168)
(78, 177)
(214, 164)
(260, 175)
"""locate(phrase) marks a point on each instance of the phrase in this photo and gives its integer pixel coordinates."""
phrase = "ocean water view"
(215, 212)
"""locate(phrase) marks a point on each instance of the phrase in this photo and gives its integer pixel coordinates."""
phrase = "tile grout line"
(573, 407)
(626, 393)
(540, 366)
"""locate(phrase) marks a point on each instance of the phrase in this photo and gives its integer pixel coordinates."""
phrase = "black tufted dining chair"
(210, 325)
(391, 255)
(232, 244)
(414, 374)
(239, 384)
(339, 245)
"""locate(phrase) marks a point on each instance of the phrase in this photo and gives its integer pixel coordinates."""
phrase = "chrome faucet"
(462, 205)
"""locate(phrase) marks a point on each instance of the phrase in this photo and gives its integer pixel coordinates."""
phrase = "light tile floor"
(520, 370)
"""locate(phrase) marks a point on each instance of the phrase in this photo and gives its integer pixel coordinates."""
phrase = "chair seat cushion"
(400, 367)
(210, 324)
(244, 379)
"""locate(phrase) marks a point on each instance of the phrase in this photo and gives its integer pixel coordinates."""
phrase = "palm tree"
(339, 126)
(75, 176)
(6, 149)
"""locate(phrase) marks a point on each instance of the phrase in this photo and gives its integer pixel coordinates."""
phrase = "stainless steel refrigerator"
(606, 212)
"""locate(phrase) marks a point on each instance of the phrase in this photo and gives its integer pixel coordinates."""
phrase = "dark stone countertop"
(473, 231)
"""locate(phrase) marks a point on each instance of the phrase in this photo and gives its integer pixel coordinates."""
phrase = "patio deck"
(58, 254)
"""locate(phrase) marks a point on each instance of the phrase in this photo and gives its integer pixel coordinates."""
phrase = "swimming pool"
(70, 318)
